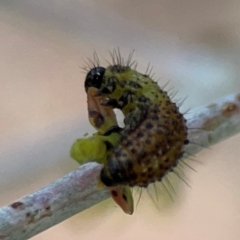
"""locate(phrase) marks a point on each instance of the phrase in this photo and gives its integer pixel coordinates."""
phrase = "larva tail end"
(122, 195)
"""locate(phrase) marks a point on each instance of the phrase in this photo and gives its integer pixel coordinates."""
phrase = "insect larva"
(155, 132)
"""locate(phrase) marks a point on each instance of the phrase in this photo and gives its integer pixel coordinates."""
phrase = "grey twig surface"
(215, 122)
(52, 204)
(77, 190)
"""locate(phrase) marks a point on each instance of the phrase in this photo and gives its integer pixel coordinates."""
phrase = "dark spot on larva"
(149, 125)
(18, 205)
(118, 154)
(229, 109)
(140, 134)
(108, 145)
(145, 184)
(157, 144)
(143, 153)
(179, 117)
(97, 117)
(129, 143)
(118, 69)
(155, 118)
(150, 175)
(181, 154)
(150, 169)
(186, 142)
(174, 165)
(124, 197)
(148, 141)
(122, 83)
(129, 164)
(147, 161)
(133, 176)
(142, 99)
(166, 121)
(133, 151)
(134, 84)
(160, 179)
(114, 193)
(123, 138)
(161, 167)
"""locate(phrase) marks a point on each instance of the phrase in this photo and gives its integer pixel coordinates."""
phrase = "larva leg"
(93, 148)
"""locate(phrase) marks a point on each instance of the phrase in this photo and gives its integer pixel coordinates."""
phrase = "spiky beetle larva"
(152, 141)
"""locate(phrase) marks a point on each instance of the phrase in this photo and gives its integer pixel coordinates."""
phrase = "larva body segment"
(146, 153)
(155, 132)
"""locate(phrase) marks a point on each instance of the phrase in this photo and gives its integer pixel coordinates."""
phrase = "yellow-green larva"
(152, 141)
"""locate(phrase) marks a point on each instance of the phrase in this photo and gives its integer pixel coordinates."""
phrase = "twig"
(77, 190)
(214, 123)
(52, 204)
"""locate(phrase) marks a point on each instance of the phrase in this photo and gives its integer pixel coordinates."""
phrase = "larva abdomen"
(146, 153)
(152, 141)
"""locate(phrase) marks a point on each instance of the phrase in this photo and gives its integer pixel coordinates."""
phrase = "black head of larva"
(94, 78)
